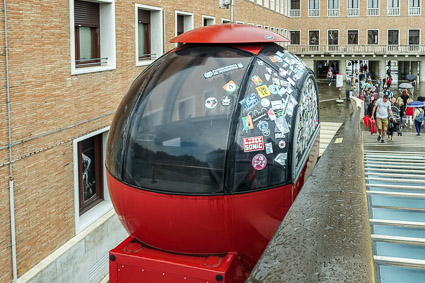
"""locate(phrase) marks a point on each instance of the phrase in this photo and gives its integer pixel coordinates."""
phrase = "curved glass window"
(179, 130)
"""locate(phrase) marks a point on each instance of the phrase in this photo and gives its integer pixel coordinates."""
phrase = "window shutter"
(86, 14)
(144, 17)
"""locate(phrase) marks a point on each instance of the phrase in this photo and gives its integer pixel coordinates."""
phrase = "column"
(406, 68)
(382, 68)
(415, 70)
(422, 70)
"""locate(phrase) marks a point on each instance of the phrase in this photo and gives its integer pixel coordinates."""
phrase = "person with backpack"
(418, 117)
(382, 109)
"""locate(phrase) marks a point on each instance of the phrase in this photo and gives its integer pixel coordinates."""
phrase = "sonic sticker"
(259, 162)
(263, 91)
(256, 80)
(211, 102)
(230, 87)
(249, 101)
(269, 148)
(253, 144)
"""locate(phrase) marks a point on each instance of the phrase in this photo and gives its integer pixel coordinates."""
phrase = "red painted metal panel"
(229, 33)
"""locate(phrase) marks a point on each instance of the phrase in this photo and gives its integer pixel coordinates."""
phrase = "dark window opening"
(144, 35)
(295, 37)
(372, 37)
(393, 37)
(90, 172)
(353, 37)
(180, 24)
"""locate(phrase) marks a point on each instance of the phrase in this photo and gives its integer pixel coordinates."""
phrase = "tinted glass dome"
(212, 119)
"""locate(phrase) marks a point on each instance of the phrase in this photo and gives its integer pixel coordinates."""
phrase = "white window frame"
(225, 21)
(409, 9)
(251, 24)
(157, 33)
(187, 26)
(308, 36)
(107, 43)
(239, 23)
(289, 8)
(259, 26)
(313, 9)
(420, 31)
(272, 5)
(90, 216)
(398, 39)
(339, 7)
(266, 28)
(388, 9)
(289, 36)
(378, 9)
(208, 18)
(260, 2)
(266, 3)
(272, 29)
(358, 9)
(358, 36)
(379, 36)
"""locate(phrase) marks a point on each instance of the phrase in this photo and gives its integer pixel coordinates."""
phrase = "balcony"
(295, 13)
(313, 12)
(373, 11)
(414, 11)
(333, 12)
(395, 11)
(353, 12)
(358, 50)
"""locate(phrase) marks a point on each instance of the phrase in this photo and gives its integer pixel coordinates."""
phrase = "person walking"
(367, 98)
(382, 108)
(409, 114)
(330, 75)
(418, 117)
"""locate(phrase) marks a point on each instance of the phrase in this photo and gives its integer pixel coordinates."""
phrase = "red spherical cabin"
(210, 146)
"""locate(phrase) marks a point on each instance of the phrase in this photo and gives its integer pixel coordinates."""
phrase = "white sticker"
(211, 102)
(282, 144)
(265, 102)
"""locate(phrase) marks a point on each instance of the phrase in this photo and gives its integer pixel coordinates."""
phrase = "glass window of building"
(295, 8)
(313, 40)
(333, 8)
(90, 172)
(143, 34)
(372, 37)
(392, 37)
(352, 8)
(207, 21)
(87, 24)
(332, 37)
(414, 39)
(414, 7)
(184, 22)
(313, 8)
(353, 37)
(373, 7)
(149, 32)
(295, 37)
(393, 8)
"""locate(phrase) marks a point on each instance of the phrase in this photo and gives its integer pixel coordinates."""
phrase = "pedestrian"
(389, 80)
(392, 123)
(409, 114)
(382, 108)
(379, 84)
(402, 101)
(370, 109)
(367, 98)
(330, 76)
(418, 117)
(389, 72)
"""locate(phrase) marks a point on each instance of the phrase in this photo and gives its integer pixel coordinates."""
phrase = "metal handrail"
(313, 12)
(333, 12)
(91, 62)
(394, 11)
(373, 11)
(147, 56)
(353, 12)
(358, 49)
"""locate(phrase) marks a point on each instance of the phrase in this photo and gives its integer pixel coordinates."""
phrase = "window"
(278, 5)
(225, 21)
(313, 8)
(260, 2)
(92, 36)
(333, 39)
(149, 34)
(272, 5)
(393, 8)
(266, 3)
(414, 8)
(207, 21)
(333, 8)
(295, 37)
(266, 27)
(372, 37)
(295, 8)
(352, 8)
(86, 19)
(353, 37)
(184, 22)
(392, 37)
(313, 40)
(90, 172)
(239, 23)
(414, 39)
(373, 7)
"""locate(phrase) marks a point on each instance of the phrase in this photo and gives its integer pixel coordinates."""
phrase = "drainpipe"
(11, 191)
(232, 11)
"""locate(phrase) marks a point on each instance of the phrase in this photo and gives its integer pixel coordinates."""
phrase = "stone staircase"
(327, 132)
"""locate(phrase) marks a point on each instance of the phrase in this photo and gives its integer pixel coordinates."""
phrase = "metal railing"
(147, 57)
(333, 12)
(414, 11)
(313, 12)
(352, 49)
(373, 11)
(353, 12)
(91, 62)
(295, 13)
(395, 11)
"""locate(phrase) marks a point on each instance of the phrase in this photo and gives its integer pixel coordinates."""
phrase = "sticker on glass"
(263, 126)
(263, 91)
(230, 87)
(249, 101)
(269, 148)
(268, 37)
(281, 125)
(211, 102)
(247, 123)
(267, 76)
(266, 133)
(269, 70)
(277, 104)
(279, 135)
(279, 53)
(259, 162)
(272, 115)
(253, 144)
(276, 81)
(225, 100)
(222, 70)
(282, 144)
(274, 89)
(257, 80)
(281, 159)
(272, 59)
(265, 102)
(258, 116)
(291, 81)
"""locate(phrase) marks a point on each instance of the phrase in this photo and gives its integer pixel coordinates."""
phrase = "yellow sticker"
(263, 91)
(339, 140)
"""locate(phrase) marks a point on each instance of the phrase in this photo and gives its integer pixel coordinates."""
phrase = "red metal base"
(132, 261)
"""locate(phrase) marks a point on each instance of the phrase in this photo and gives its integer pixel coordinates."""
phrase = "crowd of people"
(390, 113)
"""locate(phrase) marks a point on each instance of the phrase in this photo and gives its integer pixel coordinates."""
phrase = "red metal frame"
(229, 33)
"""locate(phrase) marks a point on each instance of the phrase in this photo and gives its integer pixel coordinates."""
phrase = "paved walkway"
(395, 187)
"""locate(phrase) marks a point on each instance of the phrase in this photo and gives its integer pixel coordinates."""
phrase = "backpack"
(420, 117)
